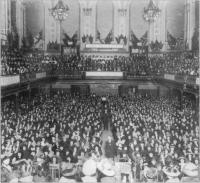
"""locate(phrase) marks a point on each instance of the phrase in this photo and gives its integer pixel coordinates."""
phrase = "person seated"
(8, 174)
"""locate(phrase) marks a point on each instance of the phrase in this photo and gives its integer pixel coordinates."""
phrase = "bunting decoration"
(121, 37)
(156, 46)
(109, 37)
(172, 41)
(134, 40)
(195, 40)
(87, 38)
(70, 41)
(144, 39)
(53, 46)
(98, 35)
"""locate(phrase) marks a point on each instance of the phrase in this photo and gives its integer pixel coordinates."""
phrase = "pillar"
(87, 20)
(5, 18)
(52, 27)
(157, 29)
(121, 19)
(189, 26)
(20, 20)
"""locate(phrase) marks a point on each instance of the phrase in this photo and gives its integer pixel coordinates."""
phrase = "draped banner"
(9, 80)
(104, 75)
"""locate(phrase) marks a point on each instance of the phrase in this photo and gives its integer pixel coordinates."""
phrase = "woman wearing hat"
(68, 173)
(89, 170)
(7, 173)
(106, 170)
(172, 172)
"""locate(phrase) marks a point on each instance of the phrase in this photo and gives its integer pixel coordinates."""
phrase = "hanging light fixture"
(60, 11)
(152, 12)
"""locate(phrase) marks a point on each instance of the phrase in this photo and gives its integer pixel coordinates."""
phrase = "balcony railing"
(79, 75)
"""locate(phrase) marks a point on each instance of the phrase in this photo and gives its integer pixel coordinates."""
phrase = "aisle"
(104, 138)
(106, 119)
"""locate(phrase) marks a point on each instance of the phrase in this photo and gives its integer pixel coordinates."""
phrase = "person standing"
(110, 148)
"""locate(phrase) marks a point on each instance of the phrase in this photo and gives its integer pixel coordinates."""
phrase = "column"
(121, 19)
(51, 26)
(157, 29)
(189, 22)
(20, 9)
(87, 20)
(5, 25)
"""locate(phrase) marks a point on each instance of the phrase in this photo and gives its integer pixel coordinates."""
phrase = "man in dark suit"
(110, 148)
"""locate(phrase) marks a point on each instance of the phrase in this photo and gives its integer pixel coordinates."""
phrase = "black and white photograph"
(99, 91)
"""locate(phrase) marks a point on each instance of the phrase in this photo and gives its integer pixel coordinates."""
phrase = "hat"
(171, 172)
(27, 179)
(151, 173)
(89, 167)
(6, 160)
(67, 169)
(195, 139)
(145, 163)
(182, 157)
(14, 180)
(190, 169)
(106, 168)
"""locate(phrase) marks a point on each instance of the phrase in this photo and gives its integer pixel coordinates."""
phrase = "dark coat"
(110, 149)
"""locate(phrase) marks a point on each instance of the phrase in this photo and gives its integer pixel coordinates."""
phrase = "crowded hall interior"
(99, 91)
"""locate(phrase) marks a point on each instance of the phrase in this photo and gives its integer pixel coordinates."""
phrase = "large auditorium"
(99, 91)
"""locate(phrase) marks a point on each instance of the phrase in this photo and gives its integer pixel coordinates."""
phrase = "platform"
(103, 75)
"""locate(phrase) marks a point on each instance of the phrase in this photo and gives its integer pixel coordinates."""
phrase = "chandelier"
(60, 11)
(152, 12)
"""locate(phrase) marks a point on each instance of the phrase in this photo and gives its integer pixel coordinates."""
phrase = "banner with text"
(104, 75)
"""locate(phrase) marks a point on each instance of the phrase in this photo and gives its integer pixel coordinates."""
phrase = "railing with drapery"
(79, 75)
(181, 67)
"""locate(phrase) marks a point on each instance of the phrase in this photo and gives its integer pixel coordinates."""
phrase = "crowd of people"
(178, 64)
(134, 65)
(16, 63)
(152, 131)
(58, 127)
(51, 127)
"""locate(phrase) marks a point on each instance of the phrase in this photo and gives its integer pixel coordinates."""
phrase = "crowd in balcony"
(178, 64)
(134, 65)
(16, 63)
(149, 132)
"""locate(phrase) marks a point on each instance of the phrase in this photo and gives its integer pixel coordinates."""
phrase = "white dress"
(89, 179)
